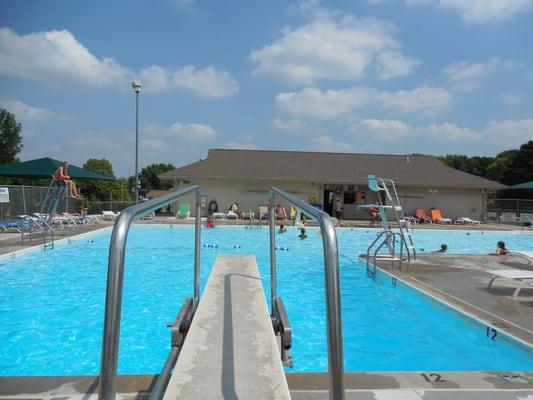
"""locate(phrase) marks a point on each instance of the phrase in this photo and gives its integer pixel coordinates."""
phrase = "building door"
(328, 202)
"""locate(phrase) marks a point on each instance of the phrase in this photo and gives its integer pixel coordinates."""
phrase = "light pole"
(136, 85)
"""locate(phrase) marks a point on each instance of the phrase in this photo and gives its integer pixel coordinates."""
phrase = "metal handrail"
(333, 301)
(115, 279)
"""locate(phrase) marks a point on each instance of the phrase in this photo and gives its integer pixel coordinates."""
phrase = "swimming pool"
(51, 303)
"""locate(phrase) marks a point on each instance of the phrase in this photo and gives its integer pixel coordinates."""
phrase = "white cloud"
(486, 11)
(247, 137)
(57, 58)
(392, 64)
(154, 145)
(510, 132)
(191, 132)
(467, 75)
(332, 46)
(208, 82)
(314, 103)
(240, 146)
(448, 132)
(476, 11)
(326, 143)
(386, 130)
(393, 130)
(287, 125)
(426, 100)
(26, 113)
(511, 99)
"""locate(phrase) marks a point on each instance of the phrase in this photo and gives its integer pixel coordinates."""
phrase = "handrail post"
(332, 283)
(333, 310)
(115, 279)
(273, 278)
(197, 222)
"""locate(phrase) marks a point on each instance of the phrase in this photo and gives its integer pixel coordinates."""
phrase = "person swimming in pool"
(282, 229)
(443, 249)
(302, 234)
(501, 250)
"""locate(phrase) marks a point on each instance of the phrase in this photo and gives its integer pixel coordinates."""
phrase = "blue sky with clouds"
(379, 76)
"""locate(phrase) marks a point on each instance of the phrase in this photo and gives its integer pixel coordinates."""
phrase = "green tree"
(10, 137)
(148, 176)
(473, 165)
(95, 190)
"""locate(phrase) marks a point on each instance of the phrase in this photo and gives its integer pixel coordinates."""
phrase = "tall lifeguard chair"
(387, 238)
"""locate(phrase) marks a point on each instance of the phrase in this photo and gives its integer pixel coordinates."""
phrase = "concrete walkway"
(230, 351)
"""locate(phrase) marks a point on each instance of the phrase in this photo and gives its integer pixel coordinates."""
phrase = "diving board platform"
(230, 350)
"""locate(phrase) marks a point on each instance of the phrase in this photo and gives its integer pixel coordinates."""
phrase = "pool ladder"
(388, 239)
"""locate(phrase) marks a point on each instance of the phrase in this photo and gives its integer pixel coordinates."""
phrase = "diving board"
(230, 350)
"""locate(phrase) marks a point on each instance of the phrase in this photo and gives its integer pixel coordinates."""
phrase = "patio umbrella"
(45, 168)
(525, 185)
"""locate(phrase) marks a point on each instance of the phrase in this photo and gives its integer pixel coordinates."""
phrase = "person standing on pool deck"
(338, 210)
(61, 175)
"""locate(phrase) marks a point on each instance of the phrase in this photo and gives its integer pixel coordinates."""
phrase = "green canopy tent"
(45, 167)
(525, 185)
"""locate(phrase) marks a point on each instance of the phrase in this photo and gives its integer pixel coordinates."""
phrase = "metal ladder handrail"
(392, 249)
(115, 279)
(331, 267)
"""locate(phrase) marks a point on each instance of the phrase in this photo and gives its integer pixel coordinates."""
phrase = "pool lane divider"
(230, 350)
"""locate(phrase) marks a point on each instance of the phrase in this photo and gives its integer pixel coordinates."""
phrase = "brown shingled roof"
(327, 168)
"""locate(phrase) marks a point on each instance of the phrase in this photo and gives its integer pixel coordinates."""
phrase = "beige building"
(246, 176)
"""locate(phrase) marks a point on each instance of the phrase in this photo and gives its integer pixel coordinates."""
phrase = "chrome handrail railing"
(115, 278)
(333, 301)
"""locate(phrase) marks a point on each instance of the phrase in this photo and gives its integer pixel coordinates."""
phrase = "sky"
(369, 76)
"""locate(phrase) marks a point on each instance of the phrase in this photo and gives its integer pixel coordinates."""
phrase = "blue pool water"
(51, 304)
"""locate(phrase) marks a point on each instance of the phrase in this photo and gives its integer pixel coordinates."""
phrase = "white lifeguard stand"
(387, 238)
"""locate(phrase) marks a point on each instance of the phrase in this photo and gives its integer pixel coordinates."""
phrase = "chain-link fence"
(26, 200)
(517, 206)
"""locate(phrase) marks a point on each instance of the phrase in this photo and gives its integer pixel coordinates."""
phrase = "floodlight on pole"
(136, 85)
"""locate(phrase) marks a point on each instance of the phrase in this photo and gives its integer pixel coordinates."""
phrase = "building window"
(349, 198)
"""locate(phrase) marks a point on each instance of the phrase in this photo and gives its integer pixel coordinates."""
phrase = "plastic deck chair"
(436, 215)
(184, 211)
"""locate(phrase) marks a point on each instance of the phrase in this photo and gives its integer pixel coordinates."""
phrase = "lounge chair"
(263, 212)
(184, 211)
(421, 216)
(468, 221)
(509, 218)
(232, 215)
(219, 215)
(437, 217)
(109, 215)
(522, 277)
